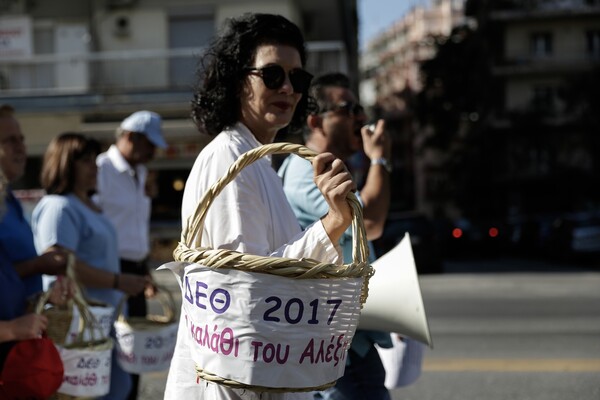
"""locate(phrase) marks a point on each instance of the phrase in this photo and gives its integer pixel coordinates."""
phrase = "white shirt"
(123, 200)
(251, 215)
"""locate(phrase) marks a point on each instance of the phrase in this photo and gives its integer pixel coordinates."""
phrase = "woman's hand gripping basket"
(65, 320)
(268, 323)
(146, 344)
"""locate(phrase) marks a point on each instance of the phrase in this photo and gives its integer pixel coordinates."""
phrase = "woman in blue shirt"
(15, 323)
(67, 218)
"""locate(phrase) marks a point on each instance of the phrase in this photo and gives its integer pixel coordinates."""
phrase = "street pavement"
(502, 329)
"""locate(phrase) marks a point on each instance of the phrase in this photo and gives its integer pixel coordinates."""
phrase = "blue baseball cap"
(147, 123)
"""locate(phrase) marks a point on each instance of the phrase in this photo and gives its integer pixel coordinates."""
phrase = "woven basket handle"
(70, 273)
(193, 229)
(165, 298)
(86, 318)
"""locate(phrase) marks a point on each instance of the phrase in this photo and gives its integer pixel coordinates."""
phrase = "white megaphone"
(394, 303)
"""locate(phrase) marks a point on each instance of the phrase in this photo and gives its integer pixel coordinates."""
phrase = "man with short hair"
(337, 129)
(16, 237)
(122, 196)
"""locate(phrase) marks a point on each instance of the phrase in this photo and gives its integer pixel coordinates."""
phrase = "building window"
(543, 99)
(593, 43)
(458, 4)
(188, 31)
(541, 44)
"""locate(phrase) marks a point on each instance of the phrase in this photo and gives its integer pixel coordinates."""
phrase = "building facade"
(390, 78)
(538, 124)
(83, 65)
(391, 61)
(549, 55)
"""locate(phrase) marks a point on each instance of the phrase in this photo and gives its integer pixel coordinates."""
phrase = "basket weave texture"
(189, 250)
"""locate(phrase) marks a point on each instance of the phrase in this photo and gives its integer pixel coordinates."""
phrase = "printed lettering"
(222, 297)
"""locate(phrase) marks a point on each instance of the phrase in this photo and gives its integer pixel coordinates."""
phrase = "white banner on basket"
(87, 372)
(267, 330)
(104, 320)
(141, 351)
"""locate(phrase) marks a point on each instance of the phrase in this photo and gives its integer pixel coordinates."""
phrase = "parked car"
(528, 234)
(425, 245)
(466, 237)
(574, 237)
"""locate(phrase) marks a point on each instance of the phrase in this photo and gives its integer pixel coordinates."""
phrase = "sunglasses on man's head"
(273, 77)
(346, 108)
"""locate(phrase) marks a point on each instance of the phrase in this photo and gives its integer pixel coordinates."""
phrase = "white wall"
(286, 8)
(147, 31)
(568, 38)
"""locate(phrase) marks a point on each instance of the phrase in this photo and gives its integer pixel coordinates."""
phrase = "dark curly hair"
(216, 103)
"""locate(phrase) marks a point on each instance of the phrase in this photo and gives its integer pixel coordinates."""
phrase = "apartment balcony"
(523, 66)
(119, 81)
(543, 9)
(548, 116)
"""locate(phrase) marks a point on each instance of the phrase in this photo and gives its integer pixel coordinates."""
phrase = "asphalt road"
(511, 336)
(502, 329)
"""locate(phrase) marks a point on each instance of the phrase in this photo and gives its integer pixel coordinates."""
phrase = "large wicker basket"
(303, 275)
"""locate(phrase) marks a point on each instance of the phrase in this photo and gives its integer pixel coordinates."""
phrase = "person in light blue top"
(68, 219)
(337, 129)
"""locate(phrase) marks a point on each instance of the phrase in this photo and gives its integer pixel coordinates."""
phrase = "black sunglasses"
(273, 77)
(346, 108)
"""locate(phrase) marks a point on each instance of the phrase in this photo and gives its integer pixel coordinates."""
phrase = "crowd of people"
(251, 86)
(73, 218)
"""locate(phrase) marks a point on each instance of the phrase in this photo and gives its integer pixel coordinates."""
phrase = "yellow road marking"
(511, 365)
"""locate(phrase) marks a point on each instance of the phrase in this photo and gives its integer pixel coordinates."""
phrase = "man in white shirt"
(122, 196)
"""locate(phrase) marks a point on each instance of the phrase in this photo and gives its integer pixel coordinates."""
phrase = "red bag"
(33, 369)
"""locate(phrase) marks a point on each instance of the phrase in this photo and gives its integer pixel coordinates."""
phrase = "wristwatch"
(384, 162)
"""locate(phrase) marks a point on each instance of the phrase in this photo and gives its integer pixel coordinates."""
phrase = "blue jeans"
(364, 379)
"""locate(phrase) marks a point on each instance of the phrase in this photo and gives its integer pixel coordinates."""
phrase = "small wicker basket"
(101, 345)
(87, 323)
(189, 250)
(146, 344)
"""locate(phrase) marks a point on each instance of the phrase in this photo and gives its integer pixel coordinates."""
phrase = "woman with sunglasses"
(252, 84)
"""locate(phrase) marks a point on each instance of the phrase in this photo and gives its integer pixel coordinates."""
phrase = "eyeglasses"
(273, 77)
(347, 108)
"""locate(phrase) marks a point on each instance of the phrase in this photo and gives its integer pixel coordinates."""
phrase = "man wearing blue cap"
(122, 196)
